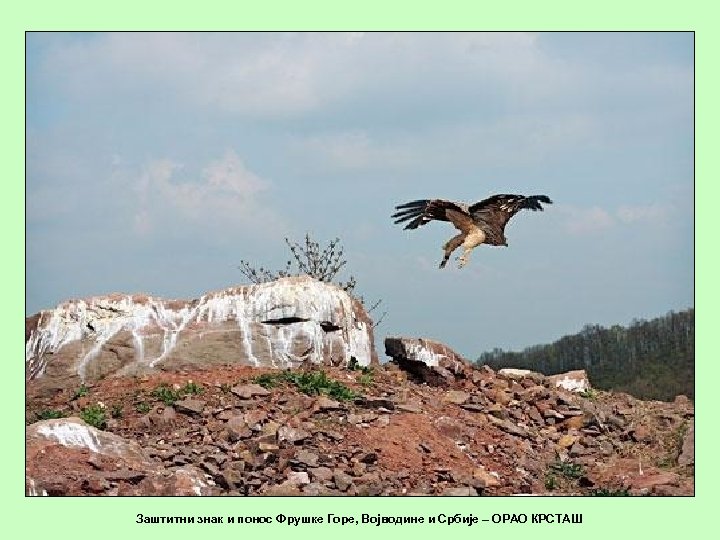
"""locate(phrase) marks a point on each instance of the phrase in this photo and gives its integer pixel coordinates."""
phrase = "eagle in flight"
(480, 223)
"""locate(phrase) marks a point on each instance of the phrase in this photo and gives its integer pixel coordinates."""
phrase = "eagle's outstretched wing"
(422, 211)
(493, 213)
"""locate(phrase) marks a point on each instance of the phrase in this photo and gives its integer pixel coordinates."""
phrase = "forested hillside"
(649, 359)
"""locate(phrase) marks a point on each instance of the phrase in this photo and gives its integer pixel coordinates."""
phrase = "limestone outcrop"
(278, 324)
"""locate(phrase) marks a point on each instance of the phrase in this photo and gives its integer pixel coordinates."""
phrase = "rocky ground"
(230, 430)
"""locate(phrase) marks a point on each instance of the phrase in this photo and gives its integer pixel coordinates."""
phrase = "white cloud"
(458, 146)
(276, 74)
(225, 194)
(595, 220)
(353, 150)
(586, 221)
(652, 213)
(248, 73)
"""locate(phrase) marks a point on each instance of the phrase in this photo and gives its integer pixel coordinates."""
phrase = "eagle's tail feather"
(407, 212)
(413, 204)
(413, 210)
(415, 223)
(533, 202)
(416, 217)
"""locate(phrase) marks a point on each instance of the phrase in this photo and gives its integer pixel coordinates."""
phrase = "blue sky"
(156, 162)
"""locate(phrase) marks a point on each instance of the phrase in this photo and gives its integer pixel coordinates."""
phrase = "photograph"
(360, 264)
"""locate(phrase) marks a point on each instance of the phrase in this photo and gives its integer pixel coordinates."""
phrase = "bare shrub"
(310, 258)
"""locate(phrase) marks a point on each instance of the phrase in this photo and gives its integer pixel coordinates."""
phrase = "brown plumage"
(480, 223)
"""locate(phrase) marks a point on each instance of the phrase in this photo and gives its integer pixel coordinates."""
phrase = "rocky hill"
(164, 398)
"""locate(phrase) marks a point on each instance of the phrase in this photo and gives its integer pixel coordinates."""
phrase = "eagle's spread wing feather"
(493, 213)
(422, 211)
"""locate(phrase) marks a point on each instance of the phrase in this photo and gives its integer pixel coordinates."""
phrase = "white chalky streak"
(139, 349)
(32, 489)
(424, 355)
(71, 434)
(574, 385)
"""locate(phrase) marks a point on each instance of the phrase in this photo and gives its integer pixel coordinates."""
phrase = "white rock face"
(428, 360)
(431, 353)
(419, 352)
(276, 324)
(71, 433)
(514, 373)
(75, 433)
(574, 381)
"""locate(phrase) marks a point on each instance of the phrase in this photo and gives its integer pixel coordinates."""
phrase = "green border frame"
(606, 518)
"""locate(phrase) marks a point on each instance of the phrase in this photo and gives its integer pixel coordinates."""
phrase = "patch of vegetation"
(309, 382)
(142, 407)
(673, 445)
(590, 394)
(562, 470)
(116, 410)
(604, 492)
(47, 414)
(168, 395)
(353, 365)
(81, 392)
(95, 416)
(679, 434)
(551, 482)
(191, 388)
(567, 469)
(317, 382)
(270, 380)
(366, 372)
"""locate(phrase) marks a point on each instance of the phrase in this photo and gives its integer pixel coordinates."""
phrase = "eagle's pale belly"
(474, 238)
